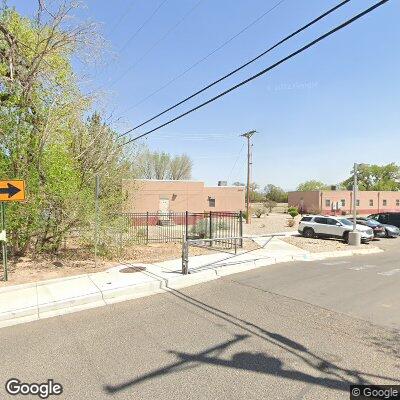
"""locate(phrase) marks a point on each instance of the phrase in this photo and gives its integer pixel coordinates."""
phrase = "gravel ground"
(277, 222)
(270, 224)
(319, 245)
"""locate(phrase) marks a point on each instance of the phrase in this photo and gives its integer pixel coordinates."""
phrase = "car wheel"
(387, 235)
(346, 237)
(308, 233)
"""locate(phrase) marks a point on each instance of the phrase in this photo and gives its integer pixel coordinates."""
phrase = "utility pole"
(248, 136)
(354, 235)
(355, 171)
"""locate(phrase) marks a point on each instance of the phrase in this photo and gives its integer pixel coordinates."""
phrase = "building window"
(384, 202)
(397, 203)
(343, 203)
(327, 203)
(211, 202)
(358, 203)
(371, 203)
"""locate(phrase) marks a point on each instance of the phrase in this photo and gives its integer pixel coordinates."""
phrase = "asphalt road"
(302, 330)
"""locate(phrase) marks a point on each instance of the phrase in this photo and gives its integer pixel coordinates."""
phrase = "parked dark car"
(377, 227)
(390, 220)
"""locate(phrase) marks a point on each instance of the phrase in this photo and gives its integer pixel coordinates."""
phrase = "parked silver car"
(390, 230)
(328, 226)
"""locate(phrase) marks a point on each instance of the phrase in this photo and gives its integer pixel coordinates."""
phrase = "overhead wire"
(124, 46)
(236, 161)
(304, 27)
(264, 71)
(221, 46)
(150, 49)
(122, 16)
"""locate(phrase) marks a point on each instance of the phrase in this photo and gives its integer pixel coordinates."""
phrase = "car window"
(321, 220)
(372, 222)
(393, 218)
(383, 218)
(332, 221)
(305, 219)
(346, 221)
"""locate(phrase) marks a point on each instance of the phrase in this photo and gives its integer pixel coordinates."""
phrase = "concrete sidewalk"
(44, 299)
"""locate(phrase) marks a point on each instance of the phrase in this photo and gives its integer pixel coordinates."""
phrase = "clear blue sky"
(333, 105)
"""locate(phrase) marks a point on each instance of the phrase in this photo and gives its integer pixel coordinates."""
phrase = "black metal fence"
(143, 228)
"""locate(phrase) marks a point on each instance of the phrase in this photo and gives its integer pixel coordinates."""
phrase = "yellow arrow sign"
(13, 190)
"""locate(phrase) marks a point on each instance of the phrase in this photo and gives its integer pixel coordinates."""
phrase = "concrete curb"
(97, 296)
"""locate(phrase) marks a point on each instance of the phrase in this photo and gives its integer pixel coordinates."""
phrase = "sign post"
(4, 240)
(10, 190)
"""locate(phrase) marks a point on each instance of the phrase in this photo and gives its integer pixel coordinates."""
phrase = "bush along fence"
(144, 228)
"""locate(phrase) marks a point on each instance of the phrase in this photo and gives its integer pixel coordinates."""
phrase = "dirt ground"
(67, 263)
(76, 262)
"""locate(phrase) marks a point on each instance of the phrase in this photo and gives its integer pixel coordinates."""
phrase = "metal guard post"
(185, 258)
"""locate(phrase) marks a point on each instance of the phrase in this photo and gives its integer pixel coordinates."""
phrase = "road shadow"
(327, 373)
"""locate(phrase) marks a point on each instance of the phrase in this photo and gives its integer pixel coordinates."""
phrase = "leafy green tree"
(375, 177)
(255, 195)
(275, 193)
(312, 185)
(46, 138)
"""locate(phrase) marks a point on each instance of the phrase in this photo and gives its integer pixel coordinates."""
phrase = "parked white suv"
(327, 226)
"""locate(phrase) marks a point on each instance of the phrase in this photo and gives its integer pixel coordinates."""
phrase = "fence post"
(147, 227)
(211, 227)
(241, 227)
(186, 225)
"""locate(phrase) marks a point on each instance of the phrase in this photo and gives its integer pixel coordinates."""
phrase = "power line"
(142, 26)
(155, 44)
(264, 71)
(236, 161)
(205, 57)
(240, 67)
(136, 32)
(122, 16)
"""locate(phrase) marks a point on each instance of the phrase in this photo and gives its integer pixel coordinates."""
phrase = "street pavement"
(299, 330)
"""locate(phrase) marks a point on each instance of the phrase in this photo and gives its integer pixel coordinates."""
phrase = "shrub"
(269, 204)
(201, 228)
(244, 215)
(222, 225)
(259, 212)
(293, 211)
(290, 222)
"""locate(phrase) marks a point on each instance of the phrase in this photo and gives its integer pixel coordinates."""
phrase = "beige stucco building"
(142, 195)
(341, 201)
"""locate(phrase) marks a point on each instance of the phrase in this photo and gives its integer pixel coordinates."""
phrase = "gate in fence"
(164, 227)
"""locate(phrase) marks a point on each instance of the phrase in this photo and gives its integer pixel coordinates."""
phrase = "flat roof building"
(142, 195)
(335, 202)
